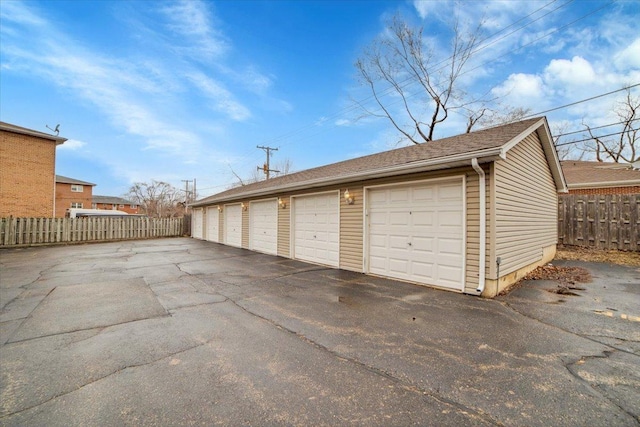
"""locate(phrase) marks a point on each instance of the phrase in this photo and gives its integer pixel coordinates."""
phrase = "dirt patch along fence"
(609, 221)
(42, 231)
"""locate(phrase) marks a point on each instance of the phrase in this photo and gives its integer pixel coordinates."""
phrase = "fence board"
(32, 231)
(600, 221)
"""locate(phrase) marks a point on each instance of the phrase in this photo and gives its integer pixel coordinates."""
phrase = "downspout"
(483, 223)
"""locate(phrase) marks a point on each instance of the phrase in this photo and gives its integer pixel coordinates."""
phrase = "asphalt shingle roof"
(468, 143)
(66, 180)
(111, 200)
(580, 173)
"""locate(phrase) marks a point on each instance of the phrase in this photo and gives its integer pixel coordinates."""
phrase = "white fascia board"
(603, 184)
(483, 156)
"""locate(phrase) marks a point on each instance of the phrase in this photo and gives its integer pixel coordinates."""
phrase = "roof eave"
(603, 184)
(24, 131)
(464, 159)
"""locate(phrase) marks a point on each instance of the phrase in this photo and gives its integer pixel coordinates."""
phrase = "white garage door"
(316, 228)
(213, 224)
(196, 223)
(416, 233)
(263, 226)
(233, 225)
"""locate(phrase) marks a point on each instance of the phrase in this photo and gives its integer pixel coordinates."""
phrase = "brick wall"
(64, 198)
(27, 175)
(608, 190)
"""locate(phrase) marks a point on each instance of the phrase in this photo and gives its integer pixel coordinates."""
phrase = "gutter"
(604, 184)
(483, 225)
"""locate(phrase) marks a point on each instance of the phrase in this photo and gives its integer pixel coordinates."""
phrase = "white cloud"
(343, 122)
(519, 86)
(223, 100)
(629, 57)
(577, 71)
(72, 145)
(192, 20)
(256, 81)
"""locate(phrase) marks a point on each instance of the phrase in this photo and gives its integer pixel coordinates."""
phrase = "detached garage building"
(471, 213)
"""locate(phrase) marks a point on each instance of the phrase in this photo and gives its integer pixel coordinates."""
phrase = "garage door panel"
(449, 192)
(399, 195)
(398, 265)
(397, 242)
(263, 226)
(450, 217)
(422, 218)
(213, 224)
(423, 269)
(197, 223)
(449, 246)
(423, 244)
(449, 273)
(233, 225)
(423, 194)
(316, 228)
(416, 233)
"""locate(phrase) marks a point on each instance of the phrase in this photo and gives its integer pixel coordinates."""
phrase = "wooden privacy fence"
(37, 231)
(609, 221)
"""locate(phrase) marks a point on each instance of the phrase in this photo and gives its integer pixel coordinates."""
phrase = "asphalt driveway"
(186, 332)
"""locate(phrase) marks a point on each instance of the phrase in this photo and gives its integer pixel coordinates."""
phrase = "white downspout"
(483, 224)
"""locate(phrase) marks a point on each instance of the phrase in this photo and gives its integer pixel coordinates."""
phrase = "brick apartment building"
(72, 193)
(601, 177)
(27, 171)
(115, 203)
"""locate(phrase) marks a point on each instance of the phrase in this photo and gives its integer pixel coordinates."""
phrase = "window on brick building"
(76, 205)
(134, 206)
(77, 188)
(121, 206)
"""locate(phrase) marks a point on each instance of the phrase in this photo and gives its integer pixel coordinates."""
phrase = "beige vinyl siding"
(245, 225)
(284, 224)
(351, 229)
(221, 225)
(204, 223)
(351, 219)
(472, 254)
(526, 206)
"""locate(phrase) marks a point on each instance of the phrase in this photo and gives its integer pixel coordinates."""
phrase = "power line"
(594, 128)
(580, 102)
(407, 81)
(589, 139)
(542, 37)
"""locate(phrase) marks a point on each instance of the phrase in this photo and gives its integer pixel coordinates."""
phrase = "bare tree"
(623, 146)
(282, 167)
(399, 60)
(564, 150)
(157, 199)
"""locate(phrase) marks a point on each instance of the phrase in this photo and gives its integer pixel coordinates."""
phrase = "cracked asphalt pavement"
(185, 332)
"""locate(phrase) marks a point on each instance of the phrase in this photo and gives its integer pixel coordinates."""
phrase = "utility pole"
(265, 168)
(186, 192)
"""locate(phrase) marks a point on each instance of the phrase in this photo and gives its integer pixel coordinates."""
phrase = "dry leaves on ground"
(566, 276)
(598, 255)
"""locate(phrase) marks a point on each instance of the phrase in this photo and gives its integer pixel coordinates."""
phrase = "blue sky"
(173, 90)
